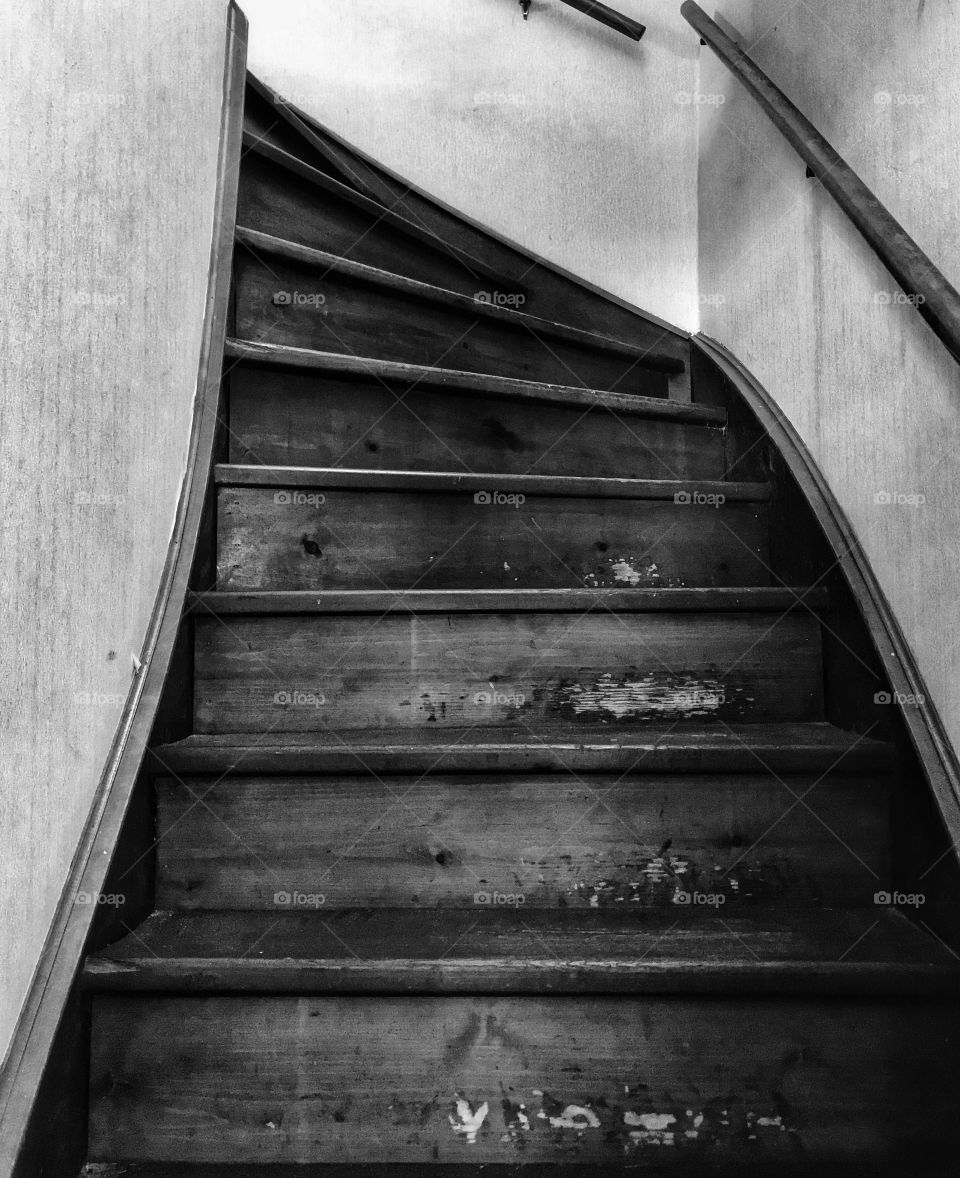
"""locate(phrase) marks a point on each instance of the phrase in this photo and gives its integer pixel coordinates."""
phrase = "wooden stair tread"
(457, 380)
(499, 950)
(703, 1168)
(683, 747)
(381, 214)
(291, 251)
(240, 475)
(376, 601)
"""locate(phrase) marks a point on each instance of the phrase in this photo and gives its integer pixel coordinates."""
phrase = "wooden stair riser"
(372, 320)
(675, 843)
(603, 1080)
(275, 200)
(277, 538)
(294, 674)
(295, 419)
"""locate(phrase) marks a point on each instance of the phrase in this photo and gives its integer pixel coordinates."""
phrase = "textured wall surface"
(108, 151)
(789, 286)
(563, 135)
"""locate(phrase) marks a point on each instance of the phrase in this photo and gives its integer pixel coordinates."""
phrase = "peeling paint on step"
(570, 1116)
(625, 569)
(465, 1120)
(676, 880)
(652, 1128)
(631, 696)
(516, 1120)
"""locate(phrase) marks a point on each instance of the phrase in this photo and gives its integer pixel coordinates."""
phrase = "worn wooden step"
(292, 294)
(510, 949)
(294, 673)
(496, 1079)
(307, 528)
(717, 1166)
(384, 601)
(282, 195)
(681, 747)
(373, 371)
(293, 406)
(654, 842)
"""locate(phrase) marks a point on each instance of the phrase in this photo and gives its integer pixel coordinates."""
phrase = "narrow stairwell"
(513, 824)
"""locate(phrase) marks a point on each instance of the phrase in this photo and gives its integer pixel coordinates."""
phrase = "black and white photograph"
(480, 661)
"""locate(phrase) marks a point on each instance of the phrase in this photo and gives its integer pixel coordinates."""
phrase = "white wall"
(563, 135)
(787, 284)
(108, 144)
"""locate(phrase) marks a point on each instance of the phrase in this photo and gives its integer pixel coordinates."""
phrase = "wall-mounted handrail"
(607, 16)
(934, 297)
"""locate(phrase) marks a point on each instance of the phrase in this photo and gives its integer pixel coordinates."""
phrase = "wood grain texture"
(345, 672)
(291, 419)
(866, 951)
(393, 321)
(538, 842)
(404, 1079)
(354, 539)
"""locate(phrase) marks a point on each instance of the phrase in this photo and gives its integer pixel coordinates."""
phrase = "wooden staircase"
(514, 822)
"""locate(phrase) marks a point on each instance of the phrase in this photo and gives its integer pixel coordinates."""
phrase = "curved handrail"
(932, 294)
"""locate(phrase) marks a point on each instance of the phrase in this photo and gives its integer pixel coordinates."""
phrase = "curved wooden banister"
(929, 290)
